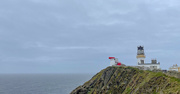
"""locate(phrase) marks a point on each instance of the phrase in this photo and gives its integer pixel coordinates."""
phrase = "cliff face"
(128, 80)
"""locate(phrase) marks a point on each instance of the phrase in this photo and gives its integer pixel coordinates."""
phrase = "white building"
(141, 60)
(175, 68)
(114, 61)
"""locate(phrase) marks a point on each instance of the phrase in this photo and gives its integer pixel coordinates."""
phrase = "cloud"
(69, 48)
(85, 32)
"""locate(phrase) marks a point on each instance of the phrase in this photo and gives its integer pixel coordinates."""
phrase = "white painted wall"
(112, 62)
(151, 65)
(173, 69)
(139, 60)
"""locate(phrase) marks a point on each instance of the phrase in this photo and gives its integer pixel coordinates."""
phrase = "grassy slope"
(128, 80)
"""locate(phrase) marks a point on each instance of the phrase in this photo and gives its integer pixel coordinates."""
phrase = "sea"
(41, 83)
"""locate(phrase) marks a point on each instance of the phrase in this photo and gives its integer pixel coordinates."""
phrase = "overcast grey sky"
(78, 36)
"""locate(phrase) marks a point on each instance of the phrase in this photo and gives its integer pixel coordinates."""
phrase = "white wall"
(173, 69)
(112, 62)
(151, 65)
(139, 60)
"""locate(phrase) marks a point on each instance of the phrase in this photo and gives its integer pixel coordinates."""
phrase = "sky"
(78, 36)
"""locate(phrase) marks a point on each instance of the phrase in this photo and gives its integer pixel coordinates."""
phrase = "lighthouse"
(140, 60)
(140, 55)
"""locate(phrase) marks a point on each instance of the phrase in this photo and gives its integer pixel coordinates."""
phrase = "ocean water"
(41, 83)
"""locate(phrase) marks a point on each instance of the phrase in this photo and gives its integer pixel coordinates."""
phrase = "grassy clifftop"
(128, 80)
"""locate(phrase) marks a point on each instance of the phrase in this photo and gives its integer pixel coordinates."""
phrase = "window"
(142, 61)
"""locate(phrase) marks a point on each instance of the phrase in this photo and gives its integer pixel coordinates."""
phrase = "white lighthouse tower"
(140, 55)
(140, 60)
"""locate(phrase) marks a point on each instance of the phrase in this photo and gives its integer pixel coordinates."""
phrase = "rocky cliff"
(129, 80)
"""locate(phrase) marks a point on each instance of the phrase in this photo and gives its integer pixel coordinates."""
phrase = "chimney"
(154, 61)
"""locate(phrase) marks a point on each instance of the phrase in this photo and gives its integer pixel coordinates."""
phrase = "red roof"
(119, 63)
(111, 57)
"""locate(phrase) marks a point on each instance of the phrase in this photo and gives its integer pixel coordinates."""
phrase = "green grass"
(139, 80)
